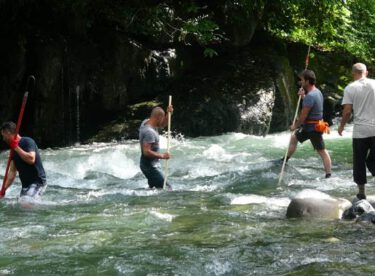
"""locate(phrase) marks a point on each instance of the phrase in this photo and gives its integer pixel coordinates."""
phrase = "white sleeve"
(348, 95)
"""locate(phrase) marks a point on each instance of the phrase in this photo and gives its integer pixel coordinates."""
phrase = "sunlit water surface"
(225, 215)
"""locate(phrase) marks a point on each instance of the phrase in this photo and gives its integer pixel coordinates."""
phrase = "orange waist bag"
(320, 126)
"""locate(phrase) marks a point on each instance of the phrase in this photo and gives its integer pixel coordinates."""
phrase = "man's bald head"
(157, 117)
(157, 112)
(359, 70)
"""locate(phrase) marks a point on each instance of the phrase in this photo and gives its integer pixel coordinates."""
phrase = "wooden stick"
(294, 119)
(168, 144)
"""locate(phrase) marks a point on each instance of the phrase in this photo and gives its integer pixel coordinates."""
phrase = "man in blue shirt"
(311, 114)
(26, 160)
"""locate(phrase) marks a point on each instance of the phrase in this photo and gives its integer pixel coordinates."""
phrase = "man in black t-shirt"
(26, 160)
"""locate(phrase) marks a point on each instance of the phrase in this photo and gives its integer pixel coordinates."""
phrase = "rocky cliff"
(98, 83)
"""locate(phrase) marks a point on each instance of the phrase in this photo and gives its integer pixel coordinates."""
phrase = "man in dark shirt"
(26, 160)
(311, 114)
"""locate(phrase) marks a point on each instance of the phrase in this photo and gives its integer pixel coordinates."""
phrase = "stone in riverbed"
(361, 210)
(315, 204)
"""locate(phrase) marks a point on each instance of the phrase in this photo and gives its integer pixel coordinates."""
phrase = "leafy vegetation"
(327, 24)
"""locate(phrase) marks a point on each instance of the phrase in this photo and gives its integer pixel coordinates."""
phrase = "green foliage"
(202, 28)
(209, 52)
(361, 38)
(326, 24)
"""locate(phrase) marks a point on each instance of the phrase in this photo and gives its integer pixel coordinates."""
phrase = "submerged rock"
(315, 204)
(358, 208)
(361, 210)
(367, 217)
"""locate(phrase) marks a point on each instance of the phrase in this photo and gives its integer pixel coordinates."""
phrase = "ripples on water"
(226, 215)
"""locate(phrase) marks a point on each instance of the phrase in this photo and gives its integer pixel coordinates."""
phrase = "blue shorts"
(154, 176)
(33, 190)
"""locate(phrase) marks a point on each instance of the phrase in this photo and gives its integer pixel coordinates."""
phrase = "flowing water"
(226, 215)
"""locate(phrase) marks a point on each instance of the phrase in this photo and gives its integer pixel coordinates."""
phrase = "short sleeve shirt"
(29, 174)
(149, 135)
(361, 94)
(314, 100)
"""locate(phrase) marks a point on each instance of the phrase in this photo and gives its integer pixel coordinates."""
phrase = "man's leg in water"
(33, 190)
(316, 139)
(292, 146)
(326, 161)
(154, 176)
(30, 194)
(161, 179)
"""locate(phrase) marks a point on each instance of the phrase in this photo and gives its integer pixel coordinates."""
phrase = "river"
(225, 215)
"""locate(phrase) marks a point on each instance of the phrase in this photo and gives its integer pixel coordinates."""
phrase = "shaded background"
(230, 65)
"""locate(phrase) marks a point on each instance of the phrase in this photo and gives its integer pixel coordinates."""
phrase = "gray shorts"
(33, 190)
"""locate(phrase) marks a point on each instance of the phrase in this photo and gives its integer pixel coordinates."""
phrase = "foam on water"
(225, 215)
(202, 171)
(114, 162)
(204, 188)
(126, 192)
(163, 216)
(216, 152)
(218, 267)
(256, 199)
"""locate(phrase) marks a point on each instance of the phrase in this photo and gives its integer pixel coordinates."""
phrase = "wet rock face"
(361, 211)
(239, 92)
(108, 74)
(367, 217)
(316, 204)
(359, 208)
(245, 91)
(249, 89)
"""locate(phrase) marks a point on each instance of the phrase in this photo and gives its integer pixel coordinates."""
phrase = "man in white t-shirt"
(359, 99)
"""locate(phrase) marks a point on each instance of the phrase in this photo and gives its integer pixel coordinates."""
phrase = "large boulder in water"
(315, 204)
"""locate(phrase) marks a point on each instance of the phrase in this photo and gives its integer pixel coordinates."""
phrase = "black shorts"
(363, 156)
(316, 138)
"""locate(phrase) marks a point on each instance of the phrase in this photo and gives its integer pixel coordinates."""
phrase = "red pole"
(20, 116)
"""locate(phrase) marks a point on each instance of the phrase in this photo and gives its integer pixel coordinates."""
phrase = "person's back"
(29, 174)
(26, 160)
(148, 134)
(314, 99)
(359, 100)
(361, 94)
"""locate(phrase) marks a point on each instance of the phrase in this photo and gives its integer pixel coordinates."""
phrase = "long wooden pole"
(294, 119)
(168, 144)
(19, 121)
